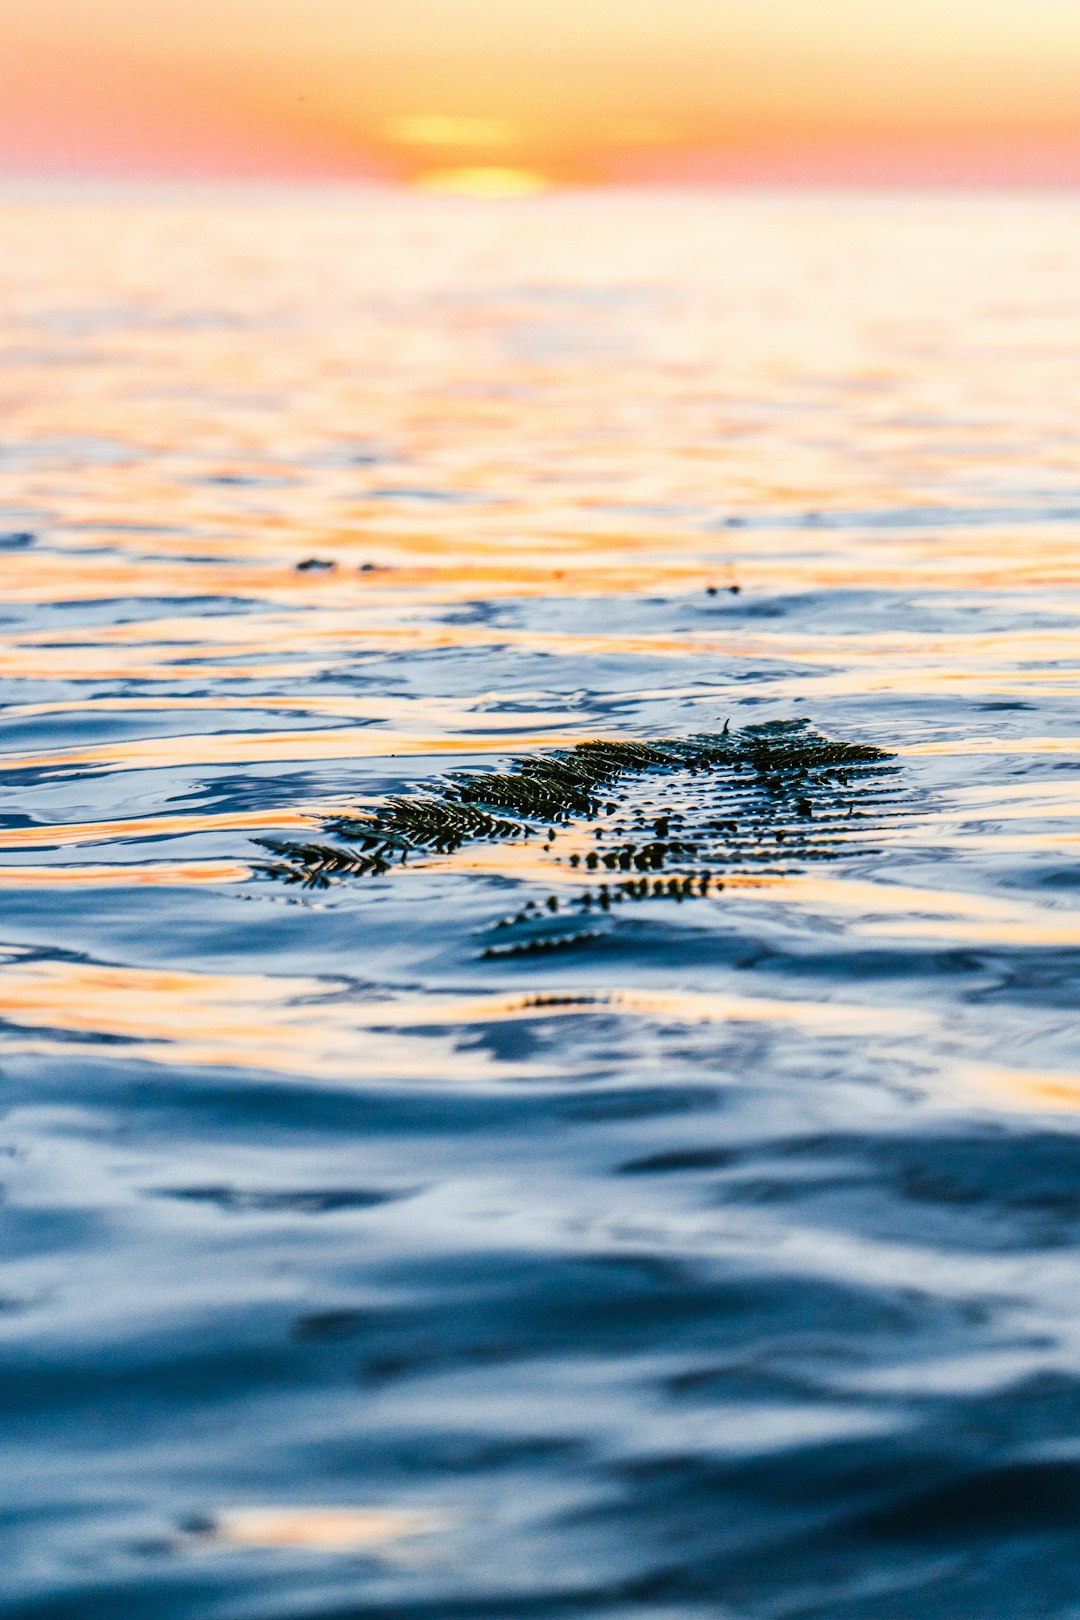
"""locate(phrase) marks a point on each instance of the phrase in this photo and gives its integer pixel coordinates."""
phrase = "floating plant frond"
(776, 792)
(315, 864)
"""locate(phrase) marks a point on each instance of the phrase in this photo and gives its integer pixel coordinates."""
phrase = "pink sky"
(556, 90)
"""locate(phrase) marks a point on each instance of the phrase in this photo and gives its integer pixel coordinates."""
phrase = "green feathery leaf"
(738, 798)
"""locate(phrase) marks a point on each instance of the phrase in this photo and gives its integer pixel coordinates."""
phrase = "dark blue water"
(706, 1256)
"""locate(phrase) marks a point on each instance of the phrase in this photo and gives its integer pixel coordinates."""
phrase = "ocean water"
(657, 1254)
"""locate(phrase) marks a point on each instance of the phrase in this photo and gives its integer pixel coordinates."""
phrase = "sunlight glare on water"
(507, 1232)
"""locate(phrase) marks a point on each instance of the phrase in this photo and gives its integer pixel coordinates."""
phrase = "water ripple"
(474, 1240)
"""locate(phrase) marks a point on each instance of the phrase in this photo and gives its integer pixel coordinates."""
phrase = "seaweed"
(780, 791)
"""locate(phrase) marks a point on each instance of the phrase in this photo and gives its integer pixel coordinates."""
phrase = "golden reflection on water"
(125, 874)
(65, 575)
(1019, 746)
(67, 834)
(291, 1027)
(310, 1027)
(440, 711)
(1022, 1089)
(315, 1529)
(896, 911)
(885, 908)
(218, 748)
(570, 445)
(1009, 663)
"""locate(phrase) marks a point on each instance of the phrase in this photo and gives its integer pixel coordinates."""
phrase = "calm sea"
(658, 1255)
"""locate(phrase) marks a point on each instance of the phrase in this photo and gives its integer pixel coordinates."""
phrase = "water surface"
(718, 1258)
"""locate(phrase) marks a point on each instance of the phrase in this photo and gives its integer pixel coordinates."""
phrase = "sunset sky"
(522, 92)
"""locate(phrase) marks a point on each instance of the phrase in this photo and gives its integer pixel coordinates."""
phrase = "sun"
(489, 182)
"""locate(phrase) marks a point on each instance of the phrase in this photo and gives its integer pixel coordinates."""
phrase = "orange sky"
(560, 89)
